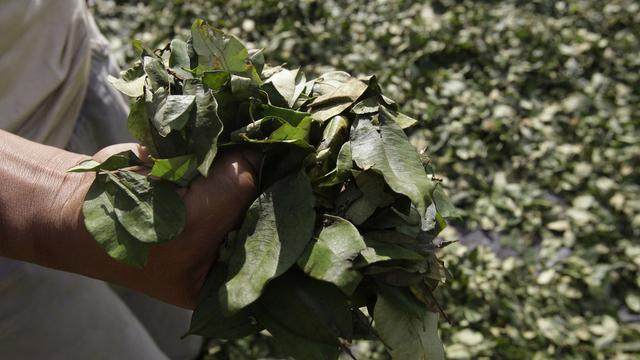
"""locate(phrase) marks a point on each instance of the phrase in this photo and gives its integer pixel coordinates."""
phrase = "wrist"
(37, 195)
(56, 213)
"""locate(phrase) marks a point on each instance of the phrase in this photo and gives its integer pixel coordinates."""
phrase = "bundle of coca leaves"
(340, 243)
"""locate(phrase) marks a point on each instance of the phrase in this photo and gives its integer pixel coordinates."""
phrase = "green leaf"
(134, 88)
(179, 60)
(403, 120)
(378, 251)
(373, 196)
(179, 170)
(430, 221)
(101, 222)
(291, 116)
(150, 211)
(280, 160)
(216, 79)
(117, 161)
(284, 132)
(296, 345)
(289, 84)
(400, 274)
(366, 106)
(327, 83)
(131, 82)
(442, 224)
(392, 219)
(386, 150)
(329, 258)
(219, 50)
(139, 126)
(334, 133)
(344, 164)
(270, 240)
(257, 130)
(371, 105)
(173, 113)
(133, 73)
(208, 319)
(156, 73)
(243, 87)
(205, 130)
(408, 242)
(406, 327)
(307, 317)
(443, 203)
(173, 143)
(298, 134)
(142, 50)
(257, 59)
(329, 105)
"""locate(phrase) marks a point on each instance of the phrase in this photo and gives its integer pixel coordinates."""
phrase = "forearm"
(40, 211)
(34, 195)
(41, 219)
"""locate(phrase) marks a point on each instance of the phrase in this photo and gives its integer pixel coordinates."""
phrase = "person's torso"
(44, 61)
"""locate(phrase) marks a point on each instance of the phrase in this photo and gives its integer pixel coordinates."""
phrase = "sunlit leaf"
(270, 240)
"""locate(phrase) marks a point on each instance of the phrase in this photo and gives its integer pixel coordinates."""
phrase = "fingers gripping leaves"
(344, 220)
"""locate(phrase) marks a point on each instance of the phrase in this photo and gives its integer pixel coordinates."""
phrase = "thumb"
(140, 151)
(223, 197)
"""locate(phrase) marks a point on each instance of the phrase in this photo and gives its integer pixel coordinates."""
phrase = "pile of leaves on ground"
(342, 234)
(531, 111)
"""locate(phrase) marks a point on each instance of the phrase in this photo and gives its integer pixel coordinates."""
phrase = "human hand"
(214, 205)
(41, 219)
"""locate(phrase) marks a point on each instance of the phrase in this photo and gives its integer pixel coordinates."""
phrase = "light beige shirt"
(45, 55)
